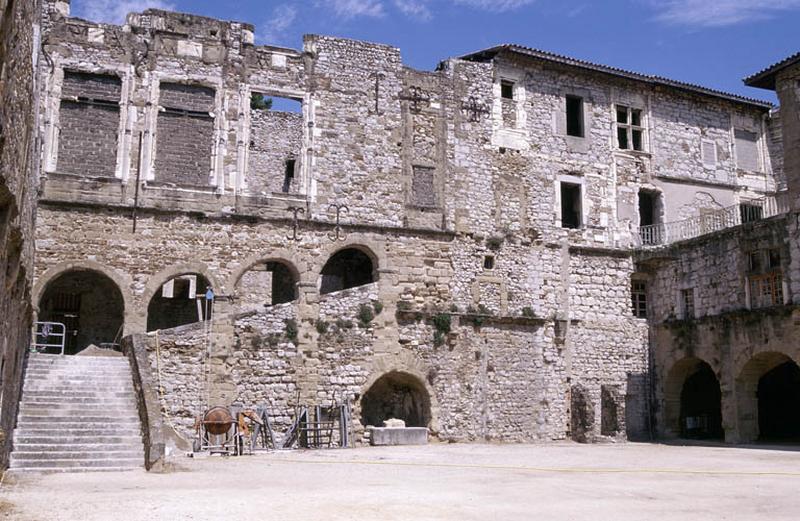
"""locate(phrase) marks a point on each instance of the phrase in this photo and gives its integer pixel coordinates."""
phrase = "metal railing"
(45, 333)
(712, 221)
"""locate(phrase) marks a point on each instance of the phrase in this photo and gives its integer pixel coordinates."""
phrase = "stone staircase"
(77, 413)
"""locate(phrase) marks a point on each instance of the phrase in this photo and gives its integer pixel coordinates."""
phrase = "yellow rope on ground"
(574, 470)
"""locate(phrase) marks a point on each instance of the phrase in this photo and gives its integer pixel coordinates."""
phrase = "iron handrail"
(45, 330)
(662, 234)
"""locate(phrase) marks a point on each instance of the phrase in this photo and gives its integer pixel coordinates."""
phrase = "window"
(639, 298)
(648, 203)
(574, 116)
(571, 205)
(765, 278)
(687, 303)
(288, 175)
(708, 151)
(746, 149)
(630, 128)
(488, 262)
(750, 212)
(507, 89)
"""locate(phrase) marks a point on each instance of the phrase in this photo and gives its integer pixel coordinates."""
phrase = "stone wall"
(450, 189)
(18, 185)
(275, 139)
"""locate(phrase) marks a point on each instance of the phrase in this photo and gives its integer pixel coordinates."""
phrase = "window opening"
(639, 298)
(507, 89)
(687, 299)
(575, 116)
(571, 205)
(630, 130)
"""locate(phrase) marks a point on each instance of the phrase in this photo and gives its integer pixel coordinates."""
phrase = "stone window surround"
(764, 270)
(574, 143)
(639, 300)
(760, 149)
(713, 144)
(575, 179)
(52, 108)
(686, 303)
(516, 137)
(216, 174)
(660, 209)
(643, 126)
(303, 161)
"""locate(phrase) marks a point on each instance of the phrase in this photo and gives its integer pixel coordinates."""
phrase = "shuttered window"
(746, 150)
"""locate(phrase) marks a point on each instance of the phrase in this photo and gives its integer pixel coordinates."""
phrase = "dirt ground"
(563, 481)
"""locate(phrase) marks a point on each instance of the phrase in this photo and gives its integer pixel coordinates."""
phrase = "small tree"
(259, 102)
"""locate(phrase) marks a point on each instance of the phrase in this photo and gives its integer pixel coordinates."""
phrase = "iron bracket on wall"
(337, 234)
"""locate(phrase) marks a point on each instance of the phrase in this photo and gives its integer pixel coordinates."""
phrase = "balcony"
(663, 234)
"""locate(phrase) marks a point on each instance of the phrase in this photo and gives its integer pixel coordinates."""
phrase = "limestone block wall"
(18, 185)
(275, 138)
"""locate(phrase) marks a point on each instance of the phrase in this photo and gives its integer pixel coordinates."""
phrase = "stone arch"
(396, 394)
(155, 281)
(88, 303)
(122, 281)
(347, 267)
(747, 386)
(688, 377)
(298, 268)
(405, 363)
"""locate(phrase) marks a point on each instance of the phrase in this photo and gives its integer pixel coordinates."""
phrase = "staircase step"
(36, 407)
(132, 439)
(77, 414)
(101, 448)
(77, 432)
(80, 464)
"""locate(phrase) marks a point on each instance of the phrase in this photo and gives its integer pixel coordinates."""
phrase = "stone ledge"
(383, 436)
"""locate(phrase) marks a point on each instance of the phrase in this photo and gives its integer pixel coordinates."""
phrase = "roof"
(766, 78)
(491, 52)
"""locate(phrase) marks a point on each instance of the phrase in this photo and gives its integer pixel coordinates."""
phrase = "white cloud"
(414, 8)
(115, 11)
(498, 6)
(348, 9)
(282, 18)
(717, 13)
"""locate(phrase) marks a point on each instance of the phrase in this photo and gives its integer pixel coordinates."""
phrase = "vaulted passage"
(347, 268)
(89, 304)
(779, 403)
(179, 301)
(701, 411)
(396, 395)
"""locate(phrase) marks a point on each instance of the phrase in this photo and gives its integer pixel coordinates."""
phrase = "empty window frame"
(630, 128)
(639, 298)
(687, 303)
(507, 89)
(575, 116)
(488, 262)
(746, 143)
(648, 208)
(571, 207)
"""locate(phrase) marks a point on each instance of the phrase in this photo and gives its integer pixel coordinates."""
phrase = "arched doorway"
(768, 399)
(346, 269)
(89, 304)
(396, 395)
(179, 301)
(701, 405)
(693, 401)
(267, 284)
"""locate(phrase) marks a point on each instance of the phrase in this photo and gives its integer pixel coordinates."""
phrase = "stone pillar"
(787, 86)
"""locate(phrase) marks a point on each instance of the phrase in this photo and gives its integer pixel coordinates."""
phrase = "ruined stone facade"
(18, 41)
(462, 240)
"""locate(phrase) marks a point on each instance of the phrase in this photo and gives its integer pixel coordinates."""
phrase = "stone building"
(458, 248)
(18, 147)
(723, 313)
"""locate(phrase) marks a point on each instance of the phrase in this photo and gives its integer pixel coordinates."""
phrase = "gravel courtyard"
(436, 482)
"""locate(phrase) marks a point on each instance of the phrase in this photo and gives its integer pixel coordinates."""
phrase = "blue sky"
(714, 43)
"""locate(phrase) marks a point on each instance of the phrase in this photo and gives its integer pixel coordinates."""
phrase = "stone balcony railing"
(662, 234)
